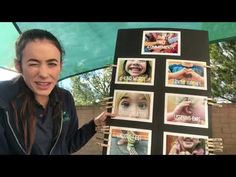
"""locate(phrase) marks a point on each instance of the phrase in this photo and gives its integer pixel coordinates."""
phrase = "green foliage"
(90, 88)
(223, 70)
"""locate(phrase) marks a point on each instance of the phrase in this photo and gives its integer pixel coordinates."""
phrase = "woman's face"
(136, 67)
(134, 105)
(40, 66)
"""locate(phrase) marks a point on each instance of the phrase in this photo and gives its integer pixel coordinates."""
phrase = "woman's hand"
(101, 119)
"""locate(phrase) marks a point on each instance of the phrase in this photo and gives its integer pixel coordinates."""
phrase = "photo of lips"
(136, 69)
(184, 144)
(139, 71)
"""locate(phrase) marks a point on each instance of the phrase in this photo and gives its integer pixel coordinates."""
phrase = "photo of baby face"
(133, 105)
(138, 71)
(184, 144)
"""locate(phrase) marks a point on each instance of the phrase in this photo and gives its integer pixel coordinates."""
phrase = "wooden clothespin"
(109, 102)
(107, 98)
(215, 104)
(105, 126)
(106, 103)
(112, 65)
(101, 144)
(210, 99)
(206, 66)
(215, 140)
(102, 128)
(214, 145)
(103, 139)
(103, 131)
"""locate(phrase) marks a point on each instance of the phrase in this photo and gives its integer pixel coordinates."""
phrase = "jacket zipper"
(8, 121)
(58, 135)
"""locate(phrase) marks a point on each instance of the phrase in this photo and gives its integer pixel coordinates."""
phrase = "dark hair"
(25, 112)
(32, 35)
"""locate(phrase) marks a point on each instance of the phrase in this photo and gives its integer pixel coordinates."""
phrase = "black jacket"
(69, 139)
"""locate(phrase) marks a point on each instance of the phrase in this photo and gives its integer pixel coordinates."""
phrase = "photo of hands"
(186, 110)
(186, 74)
(161, 43)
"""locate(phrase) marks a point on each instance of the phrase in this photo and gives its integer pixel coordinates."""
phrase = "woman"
(36, 116)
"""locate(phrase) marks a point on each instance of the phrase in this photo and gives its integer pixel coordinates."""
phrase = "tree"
(223, 70)
(90, 88)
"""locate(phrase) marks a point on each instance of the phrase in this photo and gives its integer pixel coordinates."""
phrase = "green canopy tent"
(91, 45)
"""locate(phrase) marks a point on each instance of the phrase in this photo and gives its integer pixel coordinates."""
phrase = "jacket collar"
(10, 89)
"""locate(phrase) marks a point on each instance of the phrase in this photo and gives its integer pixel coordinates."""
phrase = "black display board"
(160, 87)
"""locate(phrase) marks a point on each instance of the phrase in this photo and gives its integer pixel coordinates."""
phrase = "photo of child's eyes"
(133, 105)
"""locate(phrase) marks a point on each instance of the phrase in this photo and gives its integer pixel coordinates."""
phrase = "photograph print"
(129, 141)
(161, 43)
(133, 105)
(186, 110)
(186, 74)
(138, 71)
(184, 144)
